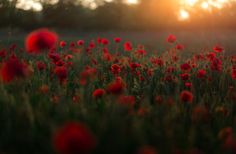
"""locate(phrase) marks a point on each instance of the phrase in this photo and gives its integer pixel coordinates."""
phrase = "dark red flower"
(13, 69)
(40, 65)
(61, 73)
(186, 96)
(171, 38)
(233, 73)
(80, 42)
(3, 53)
(133, 66)
(115, 68)
(98, 93)
(201, 73)
(117, 39)
(40, 40)
(73, 138)
(116, 87)
(185, 67)
(185, 76)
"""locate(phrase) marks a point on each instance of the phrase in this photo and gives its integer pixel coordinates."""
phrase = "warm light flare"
(188, 5)
(132, 1)
(183, 15)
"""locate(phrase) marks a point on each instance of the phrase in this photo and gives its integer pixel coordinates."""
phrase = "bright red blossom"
(98, 93)
(40, 40)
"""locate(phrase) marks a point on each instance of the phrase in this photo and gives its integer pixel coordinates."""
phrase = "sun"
(132, 1)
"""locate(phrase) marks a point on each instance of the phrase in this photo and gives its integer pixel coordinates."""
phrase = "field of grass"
(143, 94)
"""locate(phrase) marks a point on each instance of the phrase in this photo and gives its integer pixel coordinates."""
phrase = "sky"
(185, 6)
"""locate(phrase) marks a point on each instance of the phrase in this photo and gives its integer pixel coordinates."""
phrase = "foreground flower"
(186, 96)
(13, 69)
(40, 40)
(73, 138)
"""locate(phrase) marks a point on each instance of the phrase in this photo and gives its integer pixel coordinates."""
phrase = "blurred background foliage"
(113, 15)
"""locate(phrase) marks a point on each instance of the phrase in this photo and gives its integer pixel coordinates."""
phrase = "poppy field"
(115, 96)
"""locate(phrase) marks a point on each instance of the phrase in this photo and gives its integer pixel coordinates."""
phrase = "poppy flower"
(179, 47)
(40, 65)
(62, 44)
(80, 42)
(116, 87)
(115, 68)
(98, 93)
(186, 96)
(61, 73)
(171, 38)
(233, 73)
(13, 69)
(73, 138)
(201, 73)
(218, 48)
(40, 40)
(185, 76)
(105, 41)
(117, 39)
(185, 67)
(128, 46)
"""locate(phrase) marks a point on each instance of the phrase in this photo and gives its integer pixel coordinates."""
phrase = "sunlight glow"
(132, 1)
(188, 5)
(183, 15)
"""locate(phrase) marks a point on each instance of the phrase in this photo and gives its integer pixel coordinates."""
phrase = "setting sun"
(132, 1)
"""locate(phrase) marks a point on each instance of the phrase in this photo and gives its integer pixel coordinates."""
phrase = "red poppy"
(186, 96)
(233, 73)
(105, 41)
(185, 67)
(201, 73)
(40, 40)
(98, 93)
(185, 76)
(179, 47)
(117, 39)
(80, 42)
(61, 73)
(115, 68)
(218, 48)
(62, 44)
(116, 87)
(171, 38)
(13, 69)
(128, 46)
(73, 138)
(40, 65)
